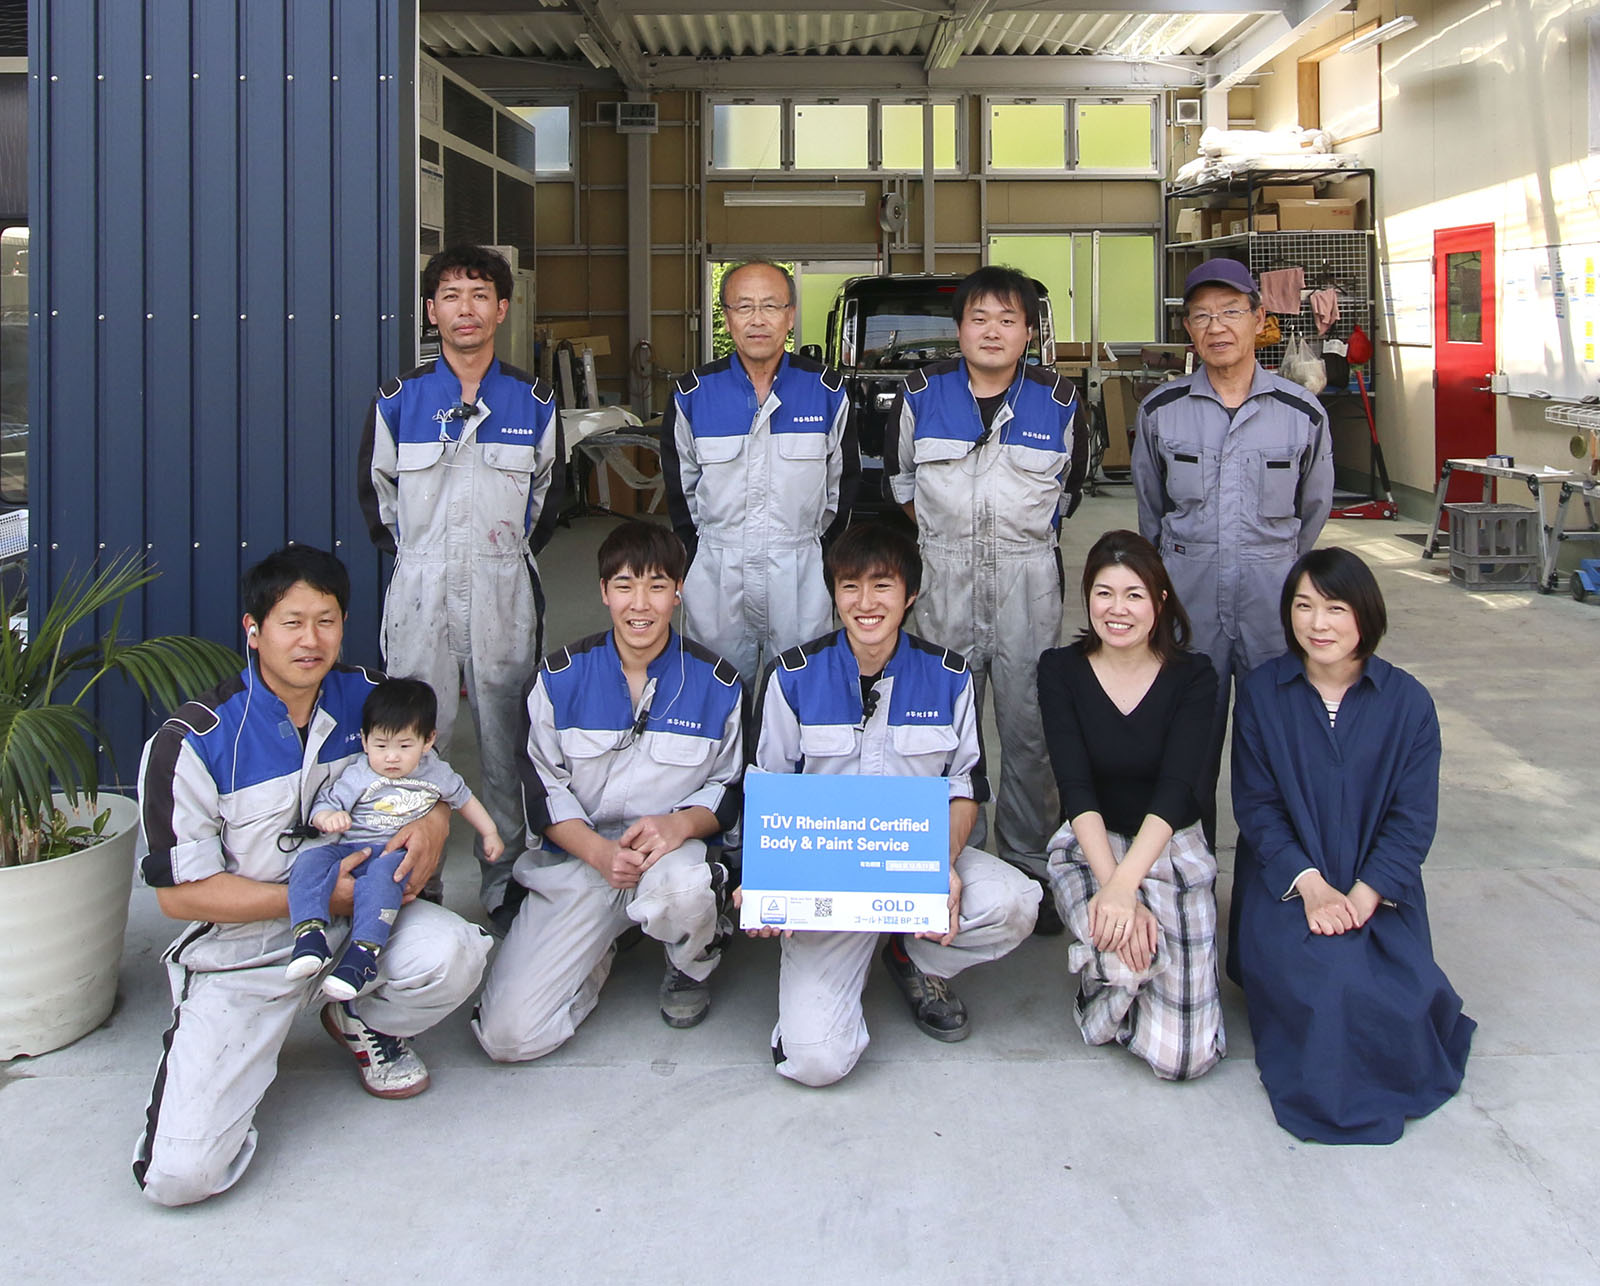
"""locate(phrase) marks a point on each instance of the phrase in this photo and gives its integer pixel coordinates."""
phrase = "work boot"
(934, 1007)
(685, 1001)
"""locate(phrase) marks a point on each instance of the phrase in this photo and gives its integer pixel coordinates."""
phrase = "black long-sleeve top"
(1127, 766)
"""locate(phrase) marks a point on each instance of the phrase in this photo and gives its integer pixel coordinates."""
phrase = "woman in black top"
(1127, 715)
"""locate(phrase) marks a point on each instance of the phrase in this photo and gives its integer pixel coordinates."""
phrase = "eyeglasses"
(1228, 317)
(747, 310)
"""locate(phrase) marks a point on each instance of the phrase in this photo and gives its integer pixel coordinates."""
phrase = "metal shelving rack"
(1347, 259)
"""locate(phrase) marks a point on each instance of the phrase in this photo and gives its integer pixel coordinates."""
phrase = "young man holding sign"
(871, 698)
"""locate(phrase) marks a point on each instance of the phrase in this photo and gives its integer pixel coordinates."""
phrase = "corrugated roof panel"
(881, 30)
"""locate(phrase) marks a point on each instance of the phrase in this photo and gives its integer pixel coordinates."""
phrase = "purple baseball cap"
(1220, 272)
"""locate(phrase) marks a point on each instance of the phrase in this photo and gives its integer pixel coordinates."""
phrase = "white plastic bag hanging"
(1303, 365)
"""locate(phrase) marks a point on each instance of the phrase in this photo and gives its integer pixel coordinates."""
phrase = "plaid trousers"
(1170, 1014)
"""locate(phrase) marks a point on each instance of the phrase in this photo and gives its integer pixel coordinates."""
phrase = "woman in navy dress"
(1336, 791)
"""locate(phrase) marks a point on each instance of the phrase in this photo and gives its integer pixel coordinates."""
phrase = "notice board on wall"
(1550, 319)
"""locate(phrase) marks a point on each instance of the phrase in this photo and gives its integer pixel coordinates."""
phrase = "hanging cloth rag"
(1280, 290)
(1325, 308)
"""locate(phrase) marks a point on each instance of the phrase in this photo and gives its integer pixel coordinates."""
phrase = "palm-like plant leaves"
(44, 741)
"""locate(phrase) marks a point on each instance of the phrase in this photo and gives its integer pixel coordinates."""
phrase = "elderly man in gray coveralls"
(760, 460)
(1233, 471)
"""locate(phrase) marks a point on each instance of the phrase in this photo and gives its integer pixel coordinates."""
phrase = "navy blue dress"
(1354, 1033)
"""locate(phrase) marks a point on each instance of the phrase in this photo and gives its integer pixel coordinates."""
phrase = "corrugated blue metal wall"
(222, 205)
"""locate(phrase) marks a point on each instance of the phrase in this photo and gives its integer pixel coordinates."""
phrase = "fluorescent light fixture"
(1379, 34)
(796, 196)
(589, 47)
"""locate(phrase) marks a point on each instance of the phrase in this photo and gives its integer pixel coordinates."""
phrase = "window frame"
(1308, 83)
(515, 99)
(1069, 104)
(874, 104)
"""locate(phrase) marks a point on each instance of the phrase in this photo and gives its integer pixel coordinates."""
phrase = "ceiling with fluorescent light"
(711, 44)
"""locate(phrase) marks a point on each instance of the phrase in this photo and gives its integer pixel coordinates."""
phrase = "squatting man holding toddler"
(221, 790)
(399, 781)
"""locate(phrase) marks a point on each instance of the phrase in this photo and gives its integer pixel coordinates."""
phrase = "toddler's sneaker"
(357, 968)
(389, 1068)
(310, 954)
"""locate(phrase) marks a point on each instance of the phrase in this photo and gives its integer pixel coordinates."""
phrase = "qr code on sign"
(824, 908)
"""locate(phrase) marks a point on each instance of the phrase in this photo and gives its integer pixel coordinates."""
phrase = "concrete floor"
(1019, 1155)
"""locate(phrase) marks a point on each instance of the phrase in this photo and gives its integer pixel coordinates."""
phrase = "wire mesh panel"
(1340, 261)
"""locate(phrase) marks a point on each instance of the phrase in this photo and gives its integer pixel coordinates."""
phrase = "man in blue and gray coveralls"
(982, 454)
(460, 478)
(760, 459)
(1233, 471)
(223, 789)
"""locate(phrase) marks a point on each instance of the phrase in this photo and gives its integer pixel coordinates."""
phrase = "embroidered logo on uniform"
(808, 419)
(519, 432)
(682, 723)
(1041, 437)
(923, 714)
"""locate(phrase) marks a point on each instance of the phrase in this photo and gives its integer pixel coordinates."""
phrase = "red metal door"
(1464, 351)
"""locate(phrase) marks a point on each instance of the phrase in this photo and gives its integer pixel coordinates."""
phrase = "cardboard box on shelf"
(1264, 222)
(1189, 225)
(1219, 221)
(1325, 216)
(1272, 193)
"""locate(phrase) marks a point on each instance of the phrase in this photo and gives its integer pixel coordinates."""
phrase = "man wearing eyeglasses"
(1233, 472)
(458, 460)
(760, 458)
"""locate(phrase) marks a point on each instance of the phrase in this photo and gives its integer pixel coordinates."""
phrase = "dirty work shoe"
(685, 1001)
(310, 953)
(1049, 924)
(935, 1008)
(356, 969)
(388, 1067)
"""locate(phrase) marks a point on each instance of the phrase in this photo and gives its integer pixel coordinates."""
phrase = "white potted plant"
(66, 851)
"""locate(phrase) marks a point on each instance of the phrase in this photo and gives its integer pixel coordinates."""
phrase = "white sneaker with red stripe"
(389, 1068)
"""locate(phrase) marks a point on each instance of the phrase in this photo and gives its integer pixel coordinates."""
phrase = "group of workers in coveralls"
(612, 771)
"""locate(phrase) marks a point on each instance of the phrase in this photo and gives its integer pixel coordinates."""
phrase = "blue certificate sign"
(856, 854)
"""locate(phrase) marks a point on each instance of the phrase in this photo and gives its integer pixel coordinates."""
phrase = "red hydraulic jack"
(1361, 351)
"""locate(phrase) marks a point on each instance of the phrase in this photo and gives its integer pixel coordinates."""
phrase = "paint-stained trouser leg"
(221, 1052)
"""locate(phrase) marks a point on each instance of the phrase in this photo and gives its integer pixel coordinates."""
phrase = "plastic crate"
(1493, 546)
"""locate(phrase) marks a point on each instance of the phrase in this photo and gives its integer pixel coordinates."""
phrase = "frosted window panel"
(747, 136)
(830, 136)
(1115, 136)
(1027, 136)
(902, 136)
(552, 130)
(1127, 289)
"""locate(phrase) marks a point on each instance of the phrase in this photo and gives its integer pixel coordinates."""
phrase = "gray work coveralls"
(988, 505)
(925, 724)
(753, 490)
(1231, 505)
(462, 504)
(595, 755)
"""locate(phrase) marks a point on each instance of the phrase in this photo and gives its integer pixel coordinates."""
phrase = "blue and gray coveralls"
(811, 719)
(464, 497)
(1231, 500)
(989, 504)
(595, 755)
(222, 785)
(754, 490)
